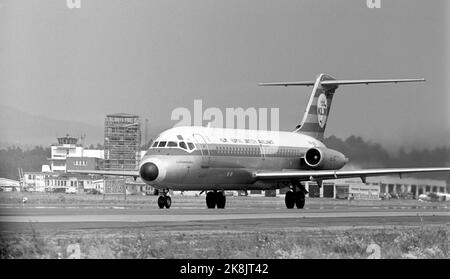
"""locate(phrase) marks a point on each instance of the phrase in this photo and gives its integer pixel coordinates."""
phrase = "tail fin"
(315, 118)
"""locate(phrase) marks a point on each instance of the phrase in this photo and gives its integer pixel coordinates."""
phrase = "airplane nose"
(149, 171)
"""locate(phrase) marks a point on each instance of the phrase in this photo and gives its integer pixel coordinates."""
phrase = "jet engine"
(324, 159)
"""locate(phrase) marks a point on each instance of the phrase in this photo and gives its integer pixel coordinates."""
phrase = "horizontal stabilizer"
(341, 82)
(317, 111)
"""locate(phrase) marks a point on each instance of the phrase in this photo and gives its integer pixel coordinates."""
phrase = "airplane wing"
(103, 172)
(313, 175)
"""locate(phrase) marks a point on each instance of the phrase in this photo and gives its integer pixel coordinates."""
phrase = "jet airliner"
(214, 160)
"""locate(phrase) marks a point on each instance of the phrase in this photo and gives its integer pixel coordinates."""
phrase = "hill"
(20, 128)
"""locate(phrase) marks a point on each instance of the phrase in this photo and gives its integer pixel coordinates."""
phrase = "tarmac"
(57, 217)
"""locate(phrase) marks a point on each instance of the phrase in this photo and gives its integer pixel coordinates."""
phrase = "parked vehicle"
(93, 192)
(71, 190)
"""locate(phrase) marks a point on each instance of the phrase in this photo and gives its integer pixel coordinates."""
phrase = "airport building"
(122, 142)
(57, 182)
(84, 163)
(68, 154)
(122, 145)
(34, 181)
(120, 185)
(9, 185)
(69, 183)
(374, 188)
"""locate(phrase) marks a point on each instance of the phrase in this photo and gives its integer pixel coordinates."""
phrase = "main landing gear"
(215, 198)
(164, 200)
(295, 197)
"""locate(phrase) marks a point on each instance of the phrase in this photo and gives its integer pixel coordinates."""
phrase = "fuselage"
(200, 158)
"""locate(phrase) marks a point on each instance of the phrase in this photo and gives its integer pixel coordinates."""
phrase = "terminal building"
(68, 154)
(374, 188)
(65, 155)
(57, 182)
(9, 185)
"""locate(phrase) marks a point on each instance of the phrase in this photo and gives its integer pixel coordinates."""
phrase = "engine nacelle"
(325, 159)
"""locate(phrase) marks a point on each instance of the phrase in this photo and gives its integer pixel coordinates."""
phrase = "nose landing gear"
(215, 198)
(164, 200)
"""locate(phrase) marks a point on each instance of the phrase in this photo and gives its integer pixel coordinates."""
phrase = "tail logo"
(322, 108)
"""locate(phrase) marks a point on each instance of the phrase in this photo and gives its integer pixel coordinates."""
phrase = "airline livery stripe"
(312, 119)
(312, 127)
(236, 150)
(313, 109)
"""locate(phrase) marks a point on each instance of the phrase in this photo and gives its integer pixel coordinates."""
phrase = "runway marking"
(208, 217)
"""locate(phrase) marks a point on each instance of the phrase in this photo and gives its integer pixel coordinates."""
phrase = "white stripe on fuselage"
(223, 136)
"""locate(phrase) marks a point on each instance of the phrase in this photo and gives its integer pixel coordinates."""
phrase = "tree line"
(364, 154)
(13, 158)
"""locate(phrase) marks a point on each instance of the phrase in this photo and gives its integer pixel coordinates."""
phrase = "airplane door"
(204, 149)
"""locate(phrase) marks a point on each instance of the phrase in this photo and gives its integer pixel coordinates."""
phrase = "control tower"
(66, 147)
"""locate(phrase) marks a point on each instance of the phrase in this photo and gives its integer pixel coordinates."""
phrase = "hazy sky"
(150, 57)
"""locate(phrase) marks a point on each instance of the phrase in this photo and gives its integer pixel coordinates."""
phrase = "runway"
(204, 215)
(73, 217)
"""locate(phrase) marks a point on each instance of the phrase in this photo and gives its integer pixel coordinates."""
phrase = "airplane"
(214, 160)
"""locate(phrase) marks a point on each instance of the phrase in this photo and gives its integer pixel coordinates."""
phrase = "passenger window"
(183, 145)
(191, 145)
(162, 144)
(172, 144)
(155, 144)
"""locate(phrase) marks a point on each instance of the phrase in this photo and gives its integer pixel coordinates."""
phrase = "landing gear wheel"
(168, 202)
(164, 201)
(161, 201)
(221, 199)
(299, 199)
(289, 200)
(211, 199)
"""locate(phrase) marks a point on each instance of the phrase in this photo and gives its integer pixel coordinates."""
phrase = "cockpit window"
(155, 144)
(183, 145)
(162, 144)
(191, 145)
(172, 144)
